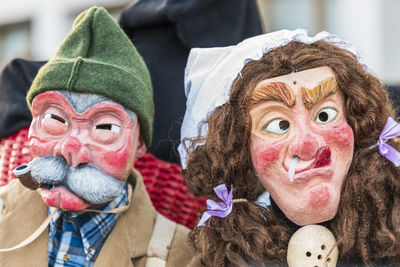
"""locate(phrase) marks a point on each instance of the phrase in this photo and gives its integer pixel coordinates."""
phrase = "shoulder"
(16, 201)
(169, 242)
(23, 211)
(180, 253)
(196, 261)
(14, 194)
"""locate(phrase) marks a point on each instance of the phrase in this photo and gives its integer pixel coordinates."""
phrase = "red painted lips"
(323, 157)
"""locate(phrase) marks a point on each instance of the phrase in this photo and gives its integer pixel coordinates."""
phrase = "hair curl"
(368, 217)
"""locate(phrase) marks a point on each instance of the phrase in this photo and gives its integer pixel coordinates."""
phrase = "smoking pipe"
(23, 173)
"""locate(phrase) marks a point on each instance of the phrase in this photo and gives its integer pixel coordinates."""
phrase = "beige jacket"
(23, 211)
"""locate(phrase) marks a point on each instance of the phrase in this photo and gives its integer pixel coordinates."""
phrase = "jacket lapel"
(131, 235)
(24, 211)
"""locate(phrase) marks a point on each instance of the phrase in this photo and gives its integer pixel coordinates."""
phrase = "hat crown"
(96, 36)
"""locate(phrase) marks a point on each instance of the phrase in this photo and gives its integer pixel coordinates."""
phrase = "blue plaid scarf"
(75, 239)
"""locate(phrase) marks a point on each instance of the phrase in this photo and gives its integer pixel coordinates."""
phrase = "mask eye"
(54, 124)
(326, 115)
(277, 126)
(108, 126)
(55, 117)
(106, 133)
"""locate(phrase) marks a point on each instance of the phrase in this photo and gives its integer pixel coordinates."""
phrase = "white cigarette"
(292, 167)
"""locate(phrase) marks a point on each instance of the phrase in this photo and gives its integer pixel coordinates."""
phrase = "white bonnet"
(210, 73)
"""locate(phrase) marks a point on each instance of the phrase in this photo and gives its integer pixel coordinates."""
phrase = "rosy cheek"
(40, 148)
(115, 163)
(340, 136)
(264, 155)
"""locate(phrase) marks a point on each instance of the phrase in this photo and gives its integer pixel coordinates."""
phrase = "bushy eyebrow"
(320, 92)
(273, 91)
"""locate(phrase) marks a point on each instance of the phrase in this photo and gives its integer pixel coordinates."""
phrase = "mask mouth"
(322, 159)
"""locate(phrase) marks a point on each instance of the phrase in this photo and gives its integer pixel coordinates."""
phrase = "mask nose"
(73, 151)
(305, 146)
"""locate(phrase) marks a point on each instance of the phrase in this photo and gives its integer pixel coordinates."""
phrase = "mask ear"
(141, 148)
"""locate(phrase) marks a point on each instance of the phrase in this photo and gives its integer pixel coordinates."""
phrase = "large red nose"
(304, 146)
(73, 151)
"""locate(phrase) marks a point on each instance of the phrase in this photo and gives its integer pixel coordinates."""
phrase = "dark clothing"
(15, 80)
(394, 94)
(164, 31)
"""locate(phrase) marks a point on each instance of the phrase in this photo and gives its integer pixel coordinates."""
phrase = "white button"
(312, 245)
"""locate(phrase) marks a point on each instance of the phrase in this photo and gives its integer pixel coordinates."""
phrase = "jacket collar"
(131, 235)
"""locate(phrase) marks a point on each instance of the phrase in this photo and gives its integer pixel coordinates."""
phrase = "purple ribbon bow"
(391, 130)
(218, 209)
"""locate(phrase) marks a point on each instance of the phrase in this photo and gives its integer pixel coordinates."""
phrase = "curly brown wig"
(367, 223)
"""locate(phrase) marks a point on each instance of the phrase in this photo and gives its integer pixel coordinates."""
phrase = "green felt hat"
(97, 57)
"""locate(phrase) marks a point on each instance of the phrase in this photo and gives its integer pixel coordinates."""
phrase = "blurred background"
(33, 29)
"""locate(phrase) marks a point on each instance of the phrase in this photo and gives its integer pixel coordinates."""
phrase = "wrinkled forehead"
(81, 102)
(313, 85)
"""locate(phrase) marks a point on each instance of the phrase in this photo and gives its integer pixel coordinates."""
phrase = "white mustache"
(86, 181)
